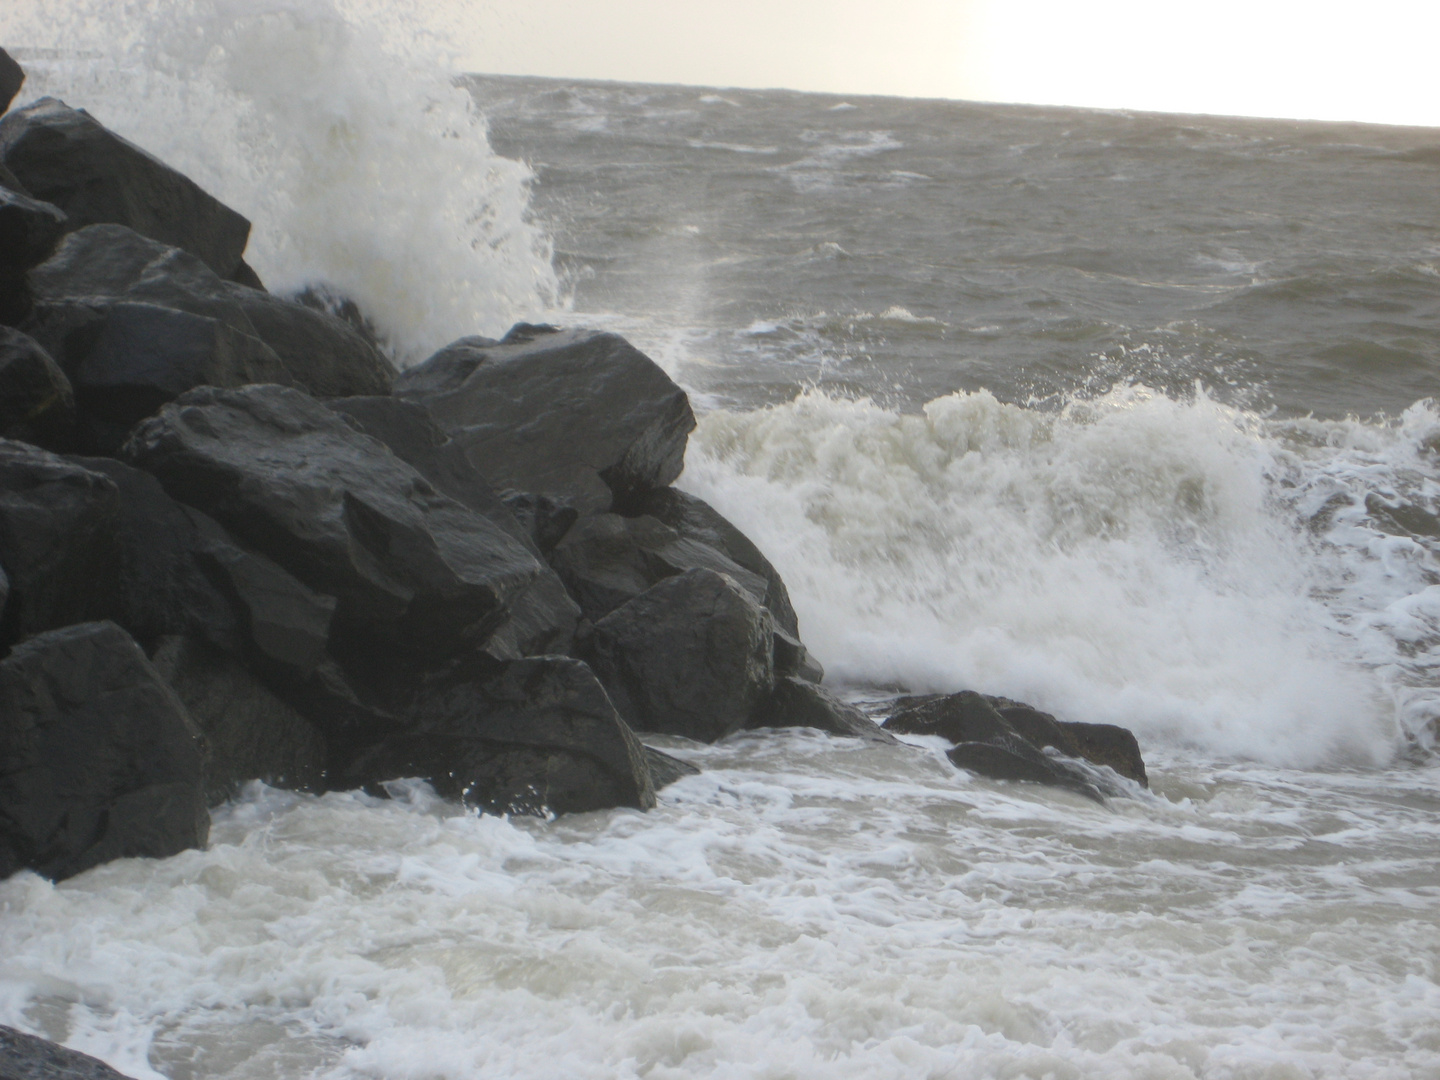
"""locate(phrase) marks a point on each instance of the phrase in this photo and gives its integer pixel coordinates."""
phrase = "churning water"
(1127, 416)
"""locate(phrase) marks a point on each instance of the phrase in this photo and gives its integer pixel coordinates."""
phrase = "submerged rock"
(337, 509)
(797, 702)
(98, 758)
(65, 157)
(28, 1057)
(541, 735)
(578, 415)
(691, 656)
(37, 404)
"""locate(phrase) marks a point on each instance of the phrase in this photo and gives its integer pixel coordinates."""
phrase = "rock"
(27, 1057)
(606, 560)
(291, 479)
(798, 703)
(695, 519)
(544, 519)
(542, 617)
(250, 734)
(29, 231)
(65, 157)
(98, 758)
(12, 77)
(540, 736)
(578, 415)
(324, 356)
(690, 656)
(792, 658)
(58, 541)
(665, 770)
(1017, 736)
(4, 591)
(37, 404)
(134, 323)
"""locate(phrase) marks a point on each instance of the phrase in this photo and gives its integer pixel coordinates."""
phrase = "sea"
(1130, 416)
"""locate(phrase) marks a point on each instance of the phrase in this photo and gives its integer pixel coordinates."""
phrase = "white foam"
(337, 128)
(1128, 560)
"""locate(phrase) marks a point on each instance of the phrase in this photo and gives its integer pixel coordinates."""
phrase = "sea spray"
(337, 129)
(1131, 559)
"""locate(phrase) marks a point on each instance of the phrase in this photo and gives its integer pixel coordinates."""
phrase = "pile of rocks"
(236, 543)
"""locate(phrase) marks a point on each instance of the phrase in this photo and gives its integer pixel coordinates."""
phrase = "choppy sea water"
(1126, 416)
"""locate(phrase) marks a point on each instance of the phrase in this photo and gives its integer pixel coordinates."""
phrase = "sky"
(1306, 59)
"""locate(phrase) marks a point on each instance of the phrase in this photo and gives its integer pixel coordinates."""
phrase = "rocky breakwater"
(236, 544)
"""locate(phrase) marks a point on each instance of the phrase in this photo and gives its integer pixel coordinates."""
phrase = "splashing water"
(337, 129)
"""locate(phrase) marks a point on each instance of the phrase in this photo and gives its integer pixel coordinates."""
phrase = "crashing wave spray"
(1133, 559)
(337, 128)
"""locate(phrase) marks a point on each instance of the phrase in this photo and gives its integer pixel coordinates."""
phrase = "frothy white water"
(336, 127)
(1133, 560)
(806, 908)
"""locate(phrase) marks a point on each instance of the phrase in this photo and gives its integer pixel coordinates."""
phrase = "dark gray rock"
(58, 541)
(580, 416)
(37, 404)
(65, 157)
(544, 519)
(796, 702)
(324, 356)
(294, 481)
(695, 519)
(690, 656)
(539, 736)
(27, 1057)
(1013, 758)
(606, 560)
(250, 734)
(4, 590)
(29, 230)
(542, 616)
(12, 77)
(98, 758)
(792, 658)
(665, 769)
(963, 717)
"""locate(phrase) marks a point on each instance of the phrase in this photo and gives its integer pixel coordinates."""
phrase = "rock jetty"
(236, 543)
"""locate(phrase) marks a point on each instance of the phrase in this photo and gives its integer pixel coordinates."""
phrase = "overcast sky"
(1319, 59)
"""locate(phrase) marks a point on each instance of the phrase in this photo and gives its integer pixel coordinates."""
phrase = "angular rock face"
(577, 415)
(58, 529)
(12, 77)
(65, 157)
(606, 560)
(665, 769)
(98, 758)
(37, 404)
(324, 356)
(26, 1057)
(335, 508)
(695, 519)
(29, 230)
(250, 734)
(542, 617)
(690, 656)
(798, 703)
(539, 736)
(1008, 742)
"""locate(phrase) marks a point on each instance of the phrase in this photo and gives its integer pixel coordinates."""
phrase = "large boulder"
(292, 480)
(29, 231)
(12, 77)
(690, 656)
(28, 1057)
(58, 541)
(65, 157)
(1108, 745)
(606, 560)
(578, 415)
(541, 735)
(134, 323)
(695, 519)
(98, 758)
(250, 734)
(324, 355)
(797, 702)
(542, 617)
(37, 404)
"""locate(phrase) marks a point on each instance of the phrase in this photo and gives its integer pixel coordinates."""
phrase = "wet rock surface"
(37, 404)
(29, 1057)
